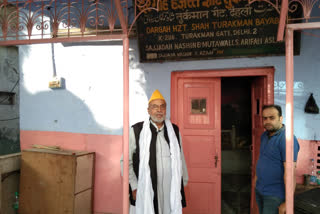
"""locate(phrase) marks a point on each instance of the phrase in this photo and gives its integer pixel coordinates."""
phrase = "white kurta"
(163, 169)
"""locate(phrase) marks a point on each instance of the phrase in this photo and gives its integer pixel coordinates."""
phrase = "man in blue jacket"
(271, 168)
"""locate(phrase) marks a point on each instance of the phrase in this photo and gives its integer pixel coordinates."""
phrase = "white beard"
(156, 120)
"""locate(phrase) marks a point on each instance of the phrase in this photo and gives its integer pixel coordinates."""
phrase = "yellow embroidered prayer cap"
(156, 95)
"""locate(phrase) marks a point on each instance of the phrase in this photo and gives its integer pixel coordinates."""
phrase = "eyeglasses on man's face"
(157, 107)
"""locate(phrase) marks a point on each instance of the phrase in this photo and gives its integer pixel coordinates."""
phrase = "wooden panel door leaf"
(199, 122)
(258, 99)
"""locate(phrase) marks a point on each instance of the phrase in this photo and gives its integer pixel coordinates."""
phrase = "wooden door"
(199, 113)
(258, 99)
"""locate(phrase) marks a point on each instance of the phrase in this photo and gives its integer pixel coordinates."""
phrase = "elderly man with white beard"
(157, 168)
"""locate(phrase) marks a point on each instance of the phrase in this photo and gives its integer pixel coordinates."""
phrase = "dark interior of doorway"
(235, 145)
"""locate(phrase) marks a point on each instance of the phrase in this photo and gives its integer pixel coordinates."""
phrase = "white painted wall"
(92, 100)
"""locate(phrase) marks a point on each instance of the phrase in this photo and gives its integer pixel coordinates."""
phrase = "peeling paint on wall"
(9, 113)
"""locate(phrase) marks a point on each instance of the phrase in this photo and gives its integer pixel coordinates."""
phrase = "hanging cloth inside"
(311, 106)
